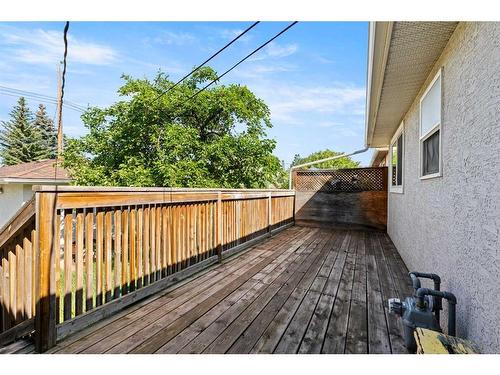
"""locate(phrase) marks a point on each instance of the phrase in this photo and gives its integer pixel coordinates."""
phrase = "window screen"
(431, 108)
(430, 129)
(430, 150)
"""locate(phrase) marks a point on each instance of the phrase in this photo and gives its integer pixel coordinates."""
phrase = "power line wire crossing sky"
(313, 77)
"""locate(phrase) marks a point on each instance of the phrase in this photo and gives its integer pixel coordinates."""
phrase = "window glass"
(431, 108)
(399, 180)
(397, 162)
(430, 150)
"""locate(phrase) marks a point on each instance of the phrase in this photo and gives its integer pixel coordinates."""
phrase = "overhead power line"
(37, 95)
(206, 61)
(4, 90)
(242, 60)
(45, 101)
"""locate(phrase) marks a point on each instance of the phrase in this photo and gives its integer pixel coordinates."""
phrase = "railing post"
(293, 179)
(45, 318)
(219, 226)
(269, 213)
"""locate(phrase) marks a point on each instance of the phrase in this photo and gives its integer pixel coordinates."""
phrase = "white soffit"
(410, 53)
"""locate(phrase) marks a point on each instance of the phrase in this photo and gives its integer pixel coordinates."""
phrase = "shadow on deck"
(305, 290)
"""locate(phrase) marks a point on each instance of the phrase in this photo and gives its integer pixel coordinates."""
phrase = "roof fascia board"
(379, 38)
(34, 181)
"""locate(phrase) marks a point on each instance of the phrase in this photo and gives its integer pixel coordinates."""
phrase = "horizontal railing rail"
(92, 251)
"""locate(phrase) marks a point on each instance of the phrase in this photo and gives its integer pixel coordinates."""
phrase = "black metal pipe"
(415, 275)
(438, 305)
(452, 301)
(415, 281)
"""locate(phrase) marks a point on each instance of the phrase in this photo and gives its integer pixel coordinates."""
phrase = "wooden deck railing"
(17, 274)
(91, 251)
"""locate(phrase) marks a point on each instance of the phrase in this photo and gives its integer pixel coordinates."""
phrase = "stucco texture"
(11, 200)
(450, 225)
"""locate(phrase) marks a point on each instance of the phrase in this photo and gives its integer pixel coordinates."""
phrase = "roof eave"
(376, 156)
(379, 39)
(34, 181)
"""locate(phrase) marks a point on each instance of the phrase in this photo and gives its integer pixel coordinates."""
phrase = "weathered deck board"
(248, 339)
(228, 318)
(378, 335)
(177, 302)
(239, 326)
(357, 329)
(304, 290)
(336, 333)
(172, 299)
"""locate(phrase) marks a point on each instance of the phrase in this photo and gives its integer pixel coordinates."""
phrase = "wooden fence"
(76, 255)
(355, 197)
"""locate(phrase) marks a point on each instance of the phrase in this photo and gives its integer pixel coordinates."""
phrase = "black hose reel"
(422, 310)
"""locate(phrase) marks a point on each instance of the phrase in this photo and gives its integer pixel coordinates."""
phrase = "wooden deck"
(305, 290)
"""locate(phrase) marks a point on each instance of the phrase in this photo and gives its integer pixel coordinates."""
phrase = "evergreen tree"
(48, 133)
(20, 141)
(296, 160)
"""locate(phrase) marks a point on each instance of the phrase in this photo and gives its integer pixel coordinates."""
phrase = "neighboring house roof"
(34, 172)
(400, 58)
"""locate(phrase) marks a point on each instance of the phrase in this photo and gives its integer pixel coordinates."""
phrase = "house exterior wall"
(11, 201)
(450, 225)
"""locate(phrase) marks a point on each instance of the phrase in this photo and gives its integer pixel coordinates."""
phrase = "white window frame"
(435, 127)
(400, 132)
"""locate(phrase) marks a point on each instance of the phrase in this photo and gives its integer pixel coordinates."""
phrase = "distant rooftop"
(35, 170)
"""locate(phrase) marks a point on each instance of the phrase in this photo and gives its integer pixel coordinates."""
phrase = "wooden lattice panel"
(341, 180)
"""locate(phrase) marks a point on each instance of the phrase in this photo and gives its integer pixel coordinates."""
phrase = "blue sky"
(313, 77)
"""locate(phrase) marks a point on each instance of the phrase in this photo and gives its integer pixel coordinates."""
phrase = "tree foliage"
(340, 163)
(216, 139)
(21, 138)
(48, 133)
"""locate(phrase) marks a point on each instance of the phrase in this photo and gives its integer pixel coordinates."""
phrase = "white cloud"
(170, 67)
(233, 33)
(46, 47)
(329, 124)
(175, 38)
(277, 51)
(324, 60)
(289, 102)
(26, 81)
(255, 70)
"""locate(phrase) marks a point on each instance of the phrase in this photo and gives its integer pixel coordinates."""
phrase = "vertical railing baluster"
(117, 257)
(125, 251)
(89, 259)
(79, 262)
(146, 248)
(108, 254)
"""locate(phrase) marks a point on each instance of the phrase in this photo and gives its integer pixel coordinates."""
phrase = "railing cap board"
(336, 170)
(66, 188)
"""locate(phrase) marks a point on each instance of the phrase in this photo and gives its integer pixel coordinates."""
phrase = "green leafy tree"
(48, 134)
(20, 140)
(340, 163)
(214, 139)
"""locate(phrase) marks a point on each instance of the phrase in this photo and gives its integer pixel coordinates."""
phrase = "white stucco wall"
(11, 200)
(451, 225)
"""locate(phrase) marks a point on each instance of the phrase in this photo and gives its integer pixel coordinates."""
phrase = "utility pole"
(59, 114)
